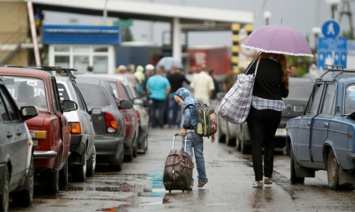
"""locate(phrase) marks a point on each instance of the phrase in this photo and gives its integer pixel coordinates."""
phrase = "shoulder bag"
(235, 105)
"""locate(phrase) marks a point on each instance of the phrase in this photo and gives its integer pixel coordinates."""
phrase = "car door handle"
(308, 124)
(18, 133)
(326, 125)
(9, 135)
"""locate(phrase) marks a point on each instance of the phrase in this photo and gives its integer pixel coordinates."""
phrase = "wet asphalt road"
(139, 187)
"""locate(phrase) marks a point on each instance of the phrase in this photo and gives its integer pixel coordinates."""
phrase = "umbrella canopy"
(168, 62)
(278, 39)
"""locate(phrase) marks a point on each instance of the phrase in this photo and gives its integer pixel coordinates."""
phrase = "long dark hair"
(283, 62)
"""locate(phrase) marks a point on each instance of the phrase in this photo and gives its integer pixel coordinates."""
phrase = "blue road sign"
(332, 51)
(331, 29)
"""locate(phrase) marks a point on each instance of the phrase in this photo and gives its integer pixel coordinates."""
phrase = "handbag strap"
(257, 65)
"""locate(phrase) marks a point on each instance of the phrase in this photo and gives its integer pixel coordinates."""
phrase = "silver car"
(16, 152)
(82, 160)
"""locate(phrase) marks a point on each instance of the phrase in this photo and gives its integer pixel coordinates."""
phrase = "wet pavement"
(139, 187)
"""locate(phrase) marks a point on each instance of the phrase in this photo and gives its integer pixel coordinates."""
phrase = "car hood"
(37, 121)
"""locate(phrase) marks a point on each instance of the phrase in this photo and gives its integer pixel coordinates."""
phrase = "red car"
(49, 130)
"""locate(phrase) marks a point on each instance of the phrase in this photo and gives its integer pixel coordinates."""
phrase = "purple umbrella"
(278, 39)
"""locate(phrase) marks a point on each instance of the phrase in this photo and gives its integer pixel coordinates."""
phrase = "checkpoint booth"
(73, 46)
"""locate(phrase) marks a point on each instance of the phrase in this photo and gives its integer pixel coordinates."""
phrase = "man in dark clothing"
(217, 88)
(176, 79)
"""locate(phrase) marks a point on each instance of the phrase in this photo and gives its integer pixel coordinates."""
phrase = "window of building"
(82, 56)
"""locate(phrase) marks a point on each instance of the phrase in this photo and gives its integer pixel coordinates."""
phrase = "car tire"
(293, 178)
(4, 191)
(79, 171)
(229, 141)
(64, 175)
(145, 144)
(129, 157)
(117, 166)
(332, 171)
(91, 165)
(24, 196)
(220, 136)
(245, 148)
(238, 143)
(51, 181)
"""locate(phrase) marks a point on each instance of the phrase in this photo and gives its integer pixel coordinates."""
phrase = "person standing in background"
(271, 85)
(217, 88)
(158, 87)
(139, 75)
(89, 70)
(176, 79)
(202, 86)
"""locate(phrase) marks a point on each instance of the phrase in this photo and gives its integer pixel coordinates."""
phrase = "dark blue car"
(323, 138)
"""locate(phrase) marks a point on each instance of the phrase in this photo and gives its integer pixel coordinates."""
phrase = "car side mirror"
(125, 104)
(28, 112)
(69, 105)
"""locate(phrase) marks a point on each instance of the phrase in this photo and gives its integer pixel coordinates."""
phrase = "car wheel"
(63, 175)
(51, 181)
(4, 191)
(117, 166)
(145, 144)
(293, 177)
(129, 157)
(229, 141)
(220, 136)
(332, 171)
(79, 172)
(244, 148)
(238, 142)
(24, 197)
(91, 163)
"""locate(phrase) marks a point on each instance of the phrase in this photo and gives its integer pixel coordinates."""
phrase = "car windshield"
(300, 89)
(27, 91)
(349, 99)
(94, 95)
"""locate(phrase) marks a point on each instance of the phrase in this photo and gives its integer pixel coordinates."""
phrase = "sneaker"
(267, 181)
(258, 184)
(202, 183)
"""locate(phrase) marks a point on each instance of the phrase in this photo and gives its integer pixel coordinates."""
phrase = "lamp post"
(333, 6)
(316, 32)
(267, 16)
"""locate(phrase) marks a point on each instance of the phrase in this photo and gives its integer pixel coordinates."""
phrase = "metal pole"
(33, 33)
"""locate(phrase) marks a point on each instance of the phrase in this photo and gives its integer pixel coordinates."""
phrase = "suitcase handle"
(177, 134)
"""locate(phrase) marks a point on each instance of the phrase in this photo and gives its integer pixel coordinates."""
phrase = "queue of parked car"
(58, 127)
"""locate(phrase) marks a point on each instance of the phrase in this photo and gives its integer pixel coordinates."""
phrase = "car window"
(63, 94)
(56, 98)
(27, 91)
(314, 101)
(114, 88)
(94, 95)
(8, 111)
(328, 106)
(349, 99)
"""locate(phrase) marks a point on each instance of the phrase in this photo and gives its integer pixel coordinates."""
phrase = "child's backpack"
(206, 120)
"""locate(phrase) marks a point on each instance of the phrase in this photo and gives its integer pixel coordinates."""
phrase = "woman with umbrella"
(271, 85)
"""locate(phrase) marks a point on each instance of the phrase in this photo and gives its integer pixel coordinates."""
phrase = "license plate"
(280, 132)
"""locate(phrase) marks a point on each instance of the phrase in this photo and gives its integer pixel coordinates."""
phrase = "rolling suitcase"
(178, 169)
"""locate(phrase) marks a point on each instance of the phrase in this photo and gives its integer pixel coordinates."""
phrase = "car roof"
(28, 72)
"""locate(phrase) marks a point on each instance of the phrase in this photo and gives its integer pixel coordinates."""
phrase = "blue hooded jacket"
(189, 111)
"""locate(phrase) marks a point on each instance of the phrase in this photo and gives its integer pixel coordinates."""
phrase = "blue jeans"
(157, 106)
(196, 142)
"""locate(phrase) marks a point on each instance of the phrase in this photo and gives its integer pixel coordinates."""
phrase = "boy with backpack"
(194, 140)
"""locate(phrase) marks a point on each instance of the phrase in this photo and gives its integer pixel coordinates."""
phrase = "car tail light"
(111, 123)
(38, 134)
(138, 115)
(75, 128)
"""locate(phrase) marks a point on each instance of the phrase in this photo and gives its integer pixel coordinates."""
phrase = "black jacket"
(268, 82)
